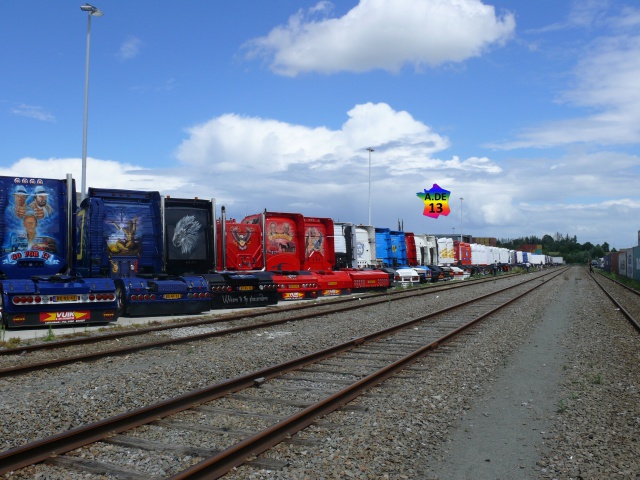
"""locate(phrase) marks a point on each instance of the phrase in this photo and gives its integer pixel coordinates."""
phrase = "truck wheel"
(120, 309)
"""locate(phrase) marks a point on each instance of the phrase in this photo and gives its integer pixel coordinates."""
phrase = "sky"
(528, 113)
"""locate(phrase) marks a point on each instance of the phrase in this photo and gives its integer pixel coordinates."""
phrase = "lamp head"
(91, 10)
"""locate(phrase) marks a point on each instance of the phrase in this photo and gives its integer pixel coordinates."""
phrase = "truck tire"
(121, 307)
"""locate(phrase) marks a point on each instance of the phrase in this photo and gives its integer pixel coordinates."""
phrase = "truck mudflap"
(57, 299)
(163, 295)
(241, 290)
(296, 285)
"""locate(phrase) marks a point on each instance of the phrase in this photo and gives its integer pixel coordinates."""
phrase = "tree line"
(559, 245)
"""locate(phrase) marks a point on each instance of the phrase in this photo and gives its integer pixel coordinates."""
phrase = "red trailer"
(320, 257)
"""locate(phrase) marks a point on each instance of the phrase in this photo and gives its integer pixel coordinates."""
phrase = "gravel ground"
(546, 390)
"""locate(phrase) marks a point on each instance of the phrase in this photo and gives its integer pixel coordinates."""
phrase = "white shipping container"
(622, 263)
(536, 259)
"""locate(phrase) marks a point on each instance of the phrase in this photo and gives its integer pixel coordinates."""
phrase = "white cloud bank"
(383, 34)
(249, 164)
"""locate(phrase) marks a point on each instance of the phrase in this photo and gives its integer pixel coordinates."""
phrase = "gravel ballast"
(546, 389)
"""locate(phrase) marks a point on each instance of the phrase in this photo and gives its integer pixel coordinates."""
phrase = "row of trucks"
(125, 252)
(137, 253)
(427, 254)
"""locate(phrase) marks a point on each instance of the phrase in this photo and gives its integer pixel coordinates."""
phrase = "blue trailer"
(383, 247)
(398, 248)
(39, 281)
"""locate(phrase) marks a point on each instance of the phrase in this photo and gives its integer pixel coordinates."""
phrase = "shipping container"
(636, 263)
(489, 241)
(622, 263)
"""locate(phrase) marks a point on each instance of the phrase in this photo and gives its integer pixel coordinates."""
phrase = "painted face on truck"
(30, 223)
(20, 199)
(41, 200)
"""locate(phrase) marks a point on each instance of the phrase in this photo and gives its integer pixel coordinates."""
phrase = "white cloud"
(383, 34)
(31, 111)
(605, 87)
(402, 145)
(130, 48)
(100, 173)
(249, 164)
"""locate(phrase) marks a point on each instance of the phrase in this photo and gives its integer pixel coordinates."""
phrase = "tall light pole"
(91, 12)
(370, 150)
(461, 218)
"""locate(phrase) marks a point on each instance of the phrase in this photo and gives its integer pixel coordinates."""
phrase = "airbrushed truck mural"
(32, 224)
(39, 284)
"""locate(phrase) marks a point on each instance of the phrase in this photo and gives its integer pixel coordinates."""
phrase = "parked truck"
(39, 280)
(192, 241)
(121, 238)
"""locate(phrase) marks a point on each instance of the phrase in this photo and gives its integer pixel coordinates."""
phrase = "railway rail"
(261, 313)
(226, 325)
(623, 297)
(319, 383)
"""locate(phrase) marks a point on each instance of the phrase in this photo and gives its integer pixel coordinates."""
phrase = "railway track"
(624, 298)
(83, 339)
(281, 400)
(146, 338)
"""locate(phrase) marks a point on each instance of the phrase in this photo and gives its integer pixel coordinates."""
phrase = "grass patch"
(629, 282)
(13, 342)
(50, 336)
(596, 379)
(562, 406)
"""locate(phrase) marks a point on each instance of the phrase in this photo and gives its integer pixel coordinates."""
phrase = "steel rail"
(63, 442)
(421, 290)
(630, 318)
(236, 455)
(94, 356)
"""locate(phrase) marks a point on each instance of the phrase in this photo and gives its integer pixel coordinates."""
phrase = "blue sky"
(530, 111)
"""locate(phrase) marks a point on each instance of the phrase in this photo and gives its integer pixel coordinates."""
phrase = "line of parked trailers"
(625, 263)
(125, 252)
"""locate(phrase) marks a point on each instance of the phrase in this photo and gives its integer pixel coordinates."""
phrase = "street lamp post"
(91, 12)
(461, 218)
(370, 150)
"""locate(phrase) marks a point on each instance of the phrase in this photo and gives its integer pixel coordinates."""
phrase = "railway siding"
(418, 410)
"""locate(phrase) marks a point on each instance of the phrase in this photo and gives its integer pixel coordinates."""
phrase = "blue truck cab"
(39, 282)
(121, 238)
